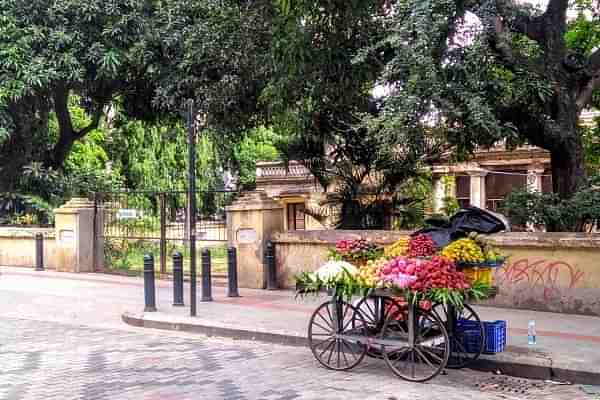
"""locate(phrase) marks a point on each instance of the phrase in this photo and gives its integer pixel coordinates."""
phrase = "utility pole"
(191, 128)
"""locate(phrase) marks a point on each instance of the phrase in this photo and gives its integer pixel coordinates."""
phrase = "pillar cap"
(76, 203)
(255, 200)
(477, 172)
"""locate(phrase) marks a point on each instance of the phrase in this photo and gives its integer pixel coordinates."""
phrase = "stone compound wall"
(17, 247)
(557, 272)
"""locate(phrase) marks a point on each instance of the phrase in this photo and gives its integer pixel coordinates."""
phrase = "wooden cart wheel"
(329, 321)
(376, 310)
(427, 357)
(459, 357)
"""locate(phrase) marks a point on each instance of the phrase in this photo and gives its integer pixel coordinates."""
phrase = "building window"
(463, 190)
(500, 184)
(547, 182)
(295, 217)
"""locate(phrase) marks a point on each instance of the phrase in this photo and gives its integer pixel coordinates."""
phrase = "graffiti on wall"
(551, 275)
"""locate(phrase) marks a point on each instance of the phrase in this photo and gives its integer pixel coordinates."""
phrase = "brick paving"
(61, 337)
(53, 360)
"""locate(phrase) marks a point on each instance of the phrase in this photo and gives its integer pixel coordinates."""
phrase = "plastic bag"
(469, 219)
(473, 219)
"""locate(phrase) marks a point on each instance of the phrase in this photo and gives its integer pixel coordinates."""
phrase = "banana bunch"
(368, 274)
(490, 253)
(399, 248)
(464, 250)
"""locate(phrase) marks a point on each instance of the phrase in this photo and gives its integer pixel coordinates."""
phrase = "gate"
(138, 222)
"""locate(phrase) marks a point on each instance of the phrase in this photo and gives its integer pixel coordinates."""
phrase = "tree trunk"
(568, 168)
(58, 154)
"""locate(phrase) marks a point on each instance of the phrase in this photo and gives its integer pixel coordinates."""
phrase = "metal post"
(232, 273)
(149, 290)
(191, 125)
(451, 320)
(163, 232)
(206, 278)
(177, 279)
(39, 252)
(270, 266)
(412, 324)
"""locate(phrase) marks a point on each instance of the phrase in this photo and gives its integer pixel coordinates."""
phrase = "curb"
(484, 364)
(217, 331)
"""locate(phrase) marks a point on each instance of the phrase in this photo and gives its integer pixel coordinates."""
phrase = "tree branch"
(539, 130)
(555, 26)
(584, 97)
(92, 125)
(593, 63)
(521, 22)
(61, 108)
(500, 44)
(556, 11)
(591, 81)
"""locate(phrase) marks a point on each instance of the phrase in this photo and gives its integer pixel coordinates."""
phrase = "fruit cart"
(417, 342)
(466, 331)
(412, 309)
(412, 340)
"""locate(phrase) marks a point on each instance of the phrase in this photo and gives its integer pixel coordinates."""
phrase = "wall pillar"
(74, 230)
(441, 188)
(251, 222)
(534, 178)
(478, 196)
(439, 193)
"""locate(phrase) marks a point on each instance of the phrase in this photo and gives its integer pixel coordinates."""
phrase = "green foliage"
(258, 145)
(472, 74)
(321, 97)
(53, 49)
(415, 195)
(147, 58)
(450, 207)
(128, 255)
(347, 286)
(591, 144)
(579, 213)
(583, 35)
(25, 210)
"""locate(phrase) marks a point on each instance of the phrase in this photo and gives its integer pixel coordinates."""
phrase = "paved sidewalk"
(568, 346)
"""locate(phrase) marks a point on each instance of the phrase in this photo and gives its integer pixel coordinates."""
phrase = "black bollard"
(149, 290)
(178, 279)
(39, 252)
(206, 279)
(232, 273)
(271, 268)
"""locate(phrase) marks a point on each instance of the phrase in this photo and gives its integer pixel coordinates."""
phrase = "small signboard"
(66, 237)
(246, 236)
(127, 213)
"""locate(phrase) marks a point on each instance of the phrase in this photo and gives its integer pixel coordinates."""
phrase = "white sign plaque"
(246, 235)
(66, 236)
(127, 213)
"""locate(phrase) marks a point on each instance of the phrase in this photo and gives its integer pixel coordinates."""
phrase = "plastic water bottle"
(531, 339)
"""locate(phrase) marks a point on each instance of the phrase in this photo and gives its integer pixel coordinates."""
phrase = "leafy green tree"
(483, 71)
(258, 145)
(147, 56)
(51, 50)
(321, 96)
(217, 53)
(580, 213)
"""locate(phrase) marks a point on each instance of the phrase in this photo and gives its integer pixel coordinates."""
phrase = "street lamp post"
(191, 127)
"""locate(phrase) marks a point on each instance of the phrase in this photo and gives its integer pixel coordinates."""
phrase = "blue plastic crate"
(495, 335)
(469, 340)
